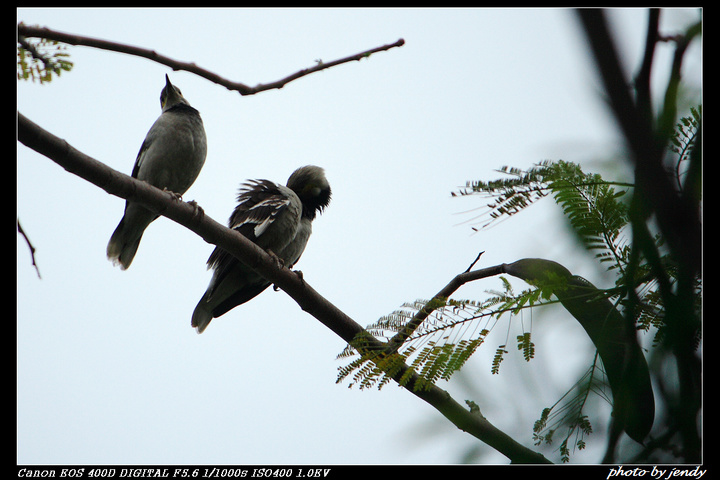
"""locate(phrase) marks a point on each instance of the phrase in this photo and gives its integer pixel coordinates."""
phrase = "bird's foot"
(279, 263)
(176, 196)
(198, 211)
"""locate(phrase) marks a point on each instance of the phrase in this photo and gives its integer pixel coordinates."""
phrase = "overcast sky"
(109, 369)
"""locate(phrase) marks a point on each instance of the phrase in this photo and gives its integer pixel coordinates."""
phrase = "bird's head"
(171, 95)
(313, 189)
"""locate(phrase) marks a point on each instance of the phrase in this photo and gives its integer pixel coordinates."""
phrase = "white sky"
(109, 369)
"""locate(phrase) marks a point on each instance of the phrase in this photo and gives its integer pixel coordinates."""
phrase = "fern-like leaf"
(441, 345)
(568, 414)
(526, 346)
(683, 140)
(592, 205)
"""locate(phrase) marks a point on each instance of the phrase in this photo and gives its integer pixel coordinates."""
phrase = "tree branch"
(72, 39)
(439, 300)
(677, 213)
(642, 79)
(191, 216)
(30, 247)
(679, 220)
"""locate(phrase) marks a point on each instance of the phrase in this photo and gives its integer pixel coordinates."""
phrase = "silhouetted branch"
(72, 39)
(676, 212)
(30, 246)
(678, 220)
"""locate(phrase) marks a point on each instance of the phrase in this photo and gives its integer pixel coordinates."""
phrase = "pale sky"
(109, 370)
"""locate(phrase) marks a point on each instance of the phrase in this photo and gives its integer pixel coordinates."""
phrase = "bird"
(277, 218)
(170, 158)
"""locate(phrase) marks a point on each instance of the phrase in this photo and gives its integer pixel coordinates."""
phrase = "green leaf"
(40, 59)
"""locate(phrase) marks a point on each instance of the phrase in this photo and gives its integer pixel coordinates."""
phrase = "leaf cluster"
(684, 140)
(39, 59)
(436, 350)
(445, 340)
(567, 414)
(590, 203)
(442, 344)
(598, 215)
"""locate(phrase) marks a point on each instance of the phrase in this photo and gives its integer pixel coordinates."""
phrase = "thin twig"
(438, 300)
(30, 246)
(474, 262)
(243, 89)
(33, 51)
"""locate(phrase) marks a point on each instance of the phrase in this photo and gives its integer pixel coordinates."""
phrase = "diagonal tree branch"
(191, 216)
(72, 39)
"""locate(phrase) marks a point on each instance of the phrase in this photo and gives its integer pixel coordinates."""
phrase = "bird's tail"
(202, 315)
(121, 248)
(125, 240)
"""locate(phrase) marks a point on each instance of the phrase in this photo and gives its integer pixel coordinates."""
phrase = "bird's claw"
(279, 262)
(176, 196)
(198, 211)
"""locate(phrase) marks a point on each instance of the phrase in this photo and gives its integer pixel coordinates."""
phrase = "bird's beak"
(167, 81)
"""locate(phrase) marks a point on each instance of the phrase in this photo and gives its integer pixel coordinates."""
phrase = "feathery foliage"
(39, 59)
(444, 341)
(683, 141)
(567, 413)
(590, 203)
(455, 329)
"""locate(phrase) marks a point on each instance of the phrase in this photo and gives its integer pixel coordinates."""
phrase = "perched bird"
(278, 219)
(170, 158)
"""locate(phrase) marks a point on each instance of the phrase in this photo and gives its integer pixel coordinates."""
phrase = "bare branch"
(30, 246)
(188, 215)
(474, 262)
(72, 39)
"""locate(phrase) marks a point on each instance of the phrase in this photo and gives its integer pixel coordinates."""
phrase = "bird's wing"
(139, 158)
(260, 203)
(157, 129)
(258, 207)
